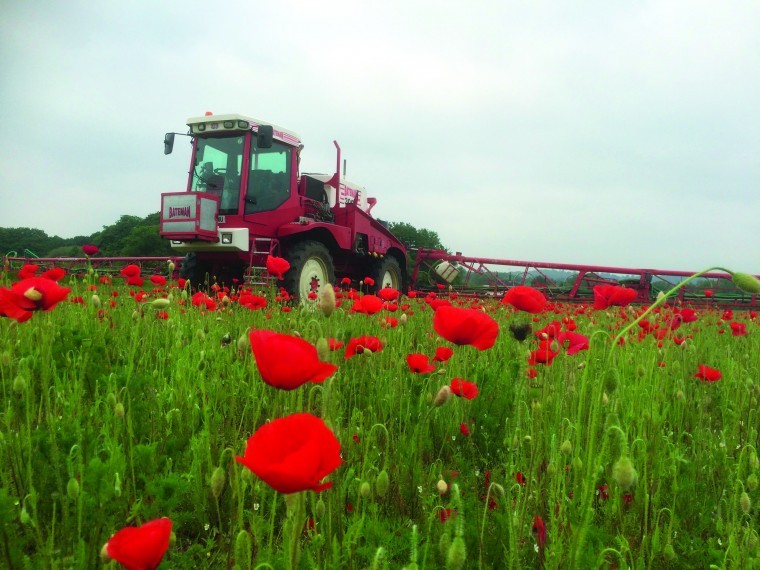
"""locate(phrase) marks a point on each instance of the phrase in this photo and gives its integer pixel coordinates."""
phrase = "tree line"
(133, 236)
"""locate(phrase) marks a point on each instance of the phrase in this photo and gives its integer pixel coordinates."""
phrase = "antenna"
(344, 168)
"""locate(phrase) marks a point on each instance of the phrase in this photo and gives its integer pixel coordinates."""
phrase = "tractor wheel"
(194, 270)
(311, 267)
(387, 273)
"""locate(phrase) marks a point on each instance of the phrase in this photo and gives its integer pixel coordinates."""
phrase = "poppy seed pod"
(624, 473)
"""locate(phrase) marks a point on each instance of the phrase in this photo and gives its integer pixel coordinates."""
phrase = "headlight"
(226, 239)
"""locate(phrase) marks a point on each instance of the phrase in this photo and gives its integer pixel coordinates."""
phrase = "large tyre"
(193, 270)
(311, 267)
(387, 273)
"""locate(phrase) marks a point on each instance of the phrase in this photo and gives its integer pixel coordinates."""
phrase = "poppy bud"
(72, 489)
(444, 543)
(566, 447)
(161, 303)
(640, 371)
(365, 489)
(244, 344)
(611, 380)
(402, 319)
(605, 399)
(554, 346)
(119, 410)
(5, 358)
(745, 503)
(754, 462)
(171, 266)
(752, 482)
(327, 299)
(104, 558)
(19, 384)
(442, 486)
(243, 549)
(26, 520)
(577, 463)
(117, 486)
(382, 483)
(442, 396)
(319, 508)
(680, 395)
(95, 300)
(323, 349)
(218, 479)
(746, 282)
(457, 554)
(624, 473)
(668, 552)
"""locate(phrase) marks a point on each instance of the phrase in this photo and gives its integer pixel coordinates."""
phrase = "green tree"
(145, 241)
(416, 238)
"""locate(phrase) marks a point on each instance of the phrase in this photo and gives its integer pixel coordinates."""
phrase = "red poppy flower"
(607, 295)
(367, 304)
(277, 266)
(707, 374)
(158, 280)
(544, 354)
(463, 388)
(345, 281)
(55, 274)
(464, 429)
(466, 326)
(539, 529)
(28, 271)
(388, 294)
(369, 281)
(142, 547)
(90, 249)
(293, 453)
(446, 514)
(520, 478)
(252, 302)
(419, 364)
(130, 270)
(688, 315)
(524, 298)
(28, 295)
(728, 314)
(442, 354)
(136, 281)
(334, 344)
(287, 362)
(575, 342)
(738, 329)
(359, 344)
(708, 293)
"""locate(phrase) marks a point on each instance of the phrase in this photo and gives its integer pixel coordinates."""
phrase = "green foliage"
(130, 236)
(123, 418)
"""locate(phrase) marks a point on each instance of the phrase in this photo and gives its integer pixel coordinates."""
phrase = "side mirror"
(265, 136)
(168, 143)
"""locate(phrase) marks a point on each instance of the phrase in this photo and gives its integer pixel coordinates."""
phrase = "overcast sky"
(619, 133)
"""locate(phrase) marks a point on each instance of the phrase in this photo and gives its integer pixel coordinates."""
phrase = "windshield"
(269, 178)
(217, 168)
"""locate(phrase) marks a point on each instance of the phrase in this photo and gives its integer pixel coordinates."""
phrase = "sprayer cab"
(245, 199)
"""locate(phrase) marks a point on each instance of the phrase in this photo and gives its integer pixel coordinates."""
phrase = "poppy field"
(146, 424)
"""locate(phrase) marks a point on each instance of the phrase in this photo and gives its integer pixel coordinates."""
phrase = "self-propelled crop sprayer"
(246, 200)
